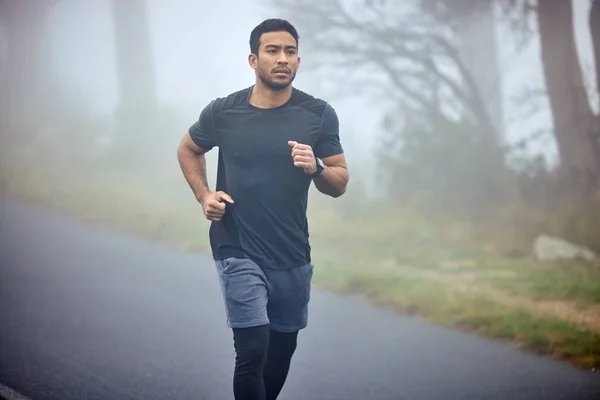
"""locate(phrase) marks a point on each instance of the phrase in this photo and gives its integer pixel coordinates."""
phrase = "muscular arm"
(334, 178)
(193, 165)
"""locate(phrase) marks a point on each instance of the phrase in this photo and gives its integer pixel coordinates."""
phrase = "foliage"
(450, 163)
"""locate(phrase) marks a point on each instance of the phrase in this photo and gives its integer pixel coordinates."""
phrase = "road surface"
(91, 313)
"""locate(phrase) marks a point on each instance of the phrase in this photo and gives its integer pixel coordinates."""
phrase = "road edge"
(7, 393)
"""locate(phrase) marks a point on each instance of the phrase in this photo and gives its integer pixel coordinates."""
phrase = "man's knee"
(283, 345)
(251, 345)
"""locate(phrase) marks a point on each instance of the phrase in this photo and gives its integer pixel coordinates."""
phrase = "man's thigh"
(244, 288)
(289, 295)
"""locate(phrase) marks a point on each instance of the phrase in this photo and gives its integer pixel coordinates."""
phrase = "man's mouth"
(281, 72)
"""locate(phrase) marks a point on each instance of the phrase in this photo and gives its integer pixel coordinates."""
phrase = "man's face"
(277, 60)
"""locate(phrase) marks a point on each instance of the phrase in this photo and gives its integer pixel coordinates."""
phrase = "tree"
(400, 48)
(23, 24)
(594, 23)
(576, 127)
(137, 111)
(135, 64)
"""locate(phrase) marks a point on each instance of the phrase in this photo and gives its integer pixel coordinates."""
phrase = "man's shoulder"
(309, 102)
(229, 101)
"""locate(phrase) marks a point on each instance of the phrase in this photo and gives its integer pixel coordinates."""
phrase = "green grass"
(440, 303)
(415, 265)
(557, 281)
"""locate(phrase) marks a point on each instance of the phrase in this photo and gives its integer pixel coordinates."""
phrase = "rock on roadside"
(548, 248)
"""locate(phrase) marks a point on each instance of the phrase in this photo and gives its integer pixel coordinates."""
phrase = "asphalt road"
(90, 313)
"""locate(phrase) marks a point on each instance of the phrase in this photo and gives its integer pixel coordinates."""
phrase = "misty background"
(199, 51)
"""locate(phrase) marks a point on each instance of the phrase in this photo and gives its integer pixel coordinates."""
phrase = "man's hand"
(213, 205)
(303, 157)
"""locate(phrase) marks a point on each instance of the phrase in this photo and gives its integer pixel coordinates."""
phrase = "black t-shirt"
(268, 221)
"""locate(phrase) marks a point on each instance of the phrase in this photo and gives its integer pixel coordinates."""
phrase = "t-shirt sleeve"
(329, 139)
(202, 131)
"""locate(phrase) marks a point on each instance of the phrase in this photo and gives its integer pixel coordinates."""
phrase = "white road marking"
(7, 393)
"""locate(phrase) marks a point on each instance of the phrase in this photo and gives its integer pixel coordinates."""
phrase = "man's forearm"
(193, 167)
(332, 181)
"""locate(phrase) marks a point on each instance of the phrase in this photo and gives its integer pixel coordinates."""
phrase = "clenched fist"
(213, 205)
(303, 157)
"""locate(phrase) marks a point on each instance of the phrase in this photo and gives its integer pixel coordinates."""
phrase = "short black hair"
(270, 25)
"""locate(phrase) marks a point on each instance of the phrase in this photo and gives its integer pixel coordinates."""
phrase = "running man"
(274, 141)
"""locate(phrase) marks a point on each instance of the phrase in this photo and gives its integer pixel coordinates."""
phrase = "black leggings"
(262, 362)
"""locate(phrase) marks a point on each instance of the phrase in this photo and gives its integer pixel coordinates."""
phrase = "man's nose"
(282, 59)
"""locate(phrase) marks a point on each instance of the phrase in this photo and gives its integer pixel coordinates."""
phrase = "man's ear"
(253, 61)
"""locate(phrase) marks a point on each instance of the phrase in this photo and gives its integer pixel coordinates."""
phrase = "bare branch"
(523, 143)
(412, 42)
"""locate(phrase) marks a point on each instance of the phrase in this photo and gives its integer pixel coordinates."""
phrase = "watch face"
(320, 166)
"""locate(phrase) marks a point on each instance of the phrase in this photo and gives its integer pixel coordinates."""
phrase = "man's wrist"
(320, 167)
(201, 194)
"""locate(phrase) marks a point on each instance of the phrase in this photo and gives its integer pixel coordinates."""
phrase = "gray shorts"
(255, 296)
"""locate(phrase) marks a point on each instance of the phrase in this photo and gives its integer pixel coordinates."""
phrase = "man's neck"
(263, 97)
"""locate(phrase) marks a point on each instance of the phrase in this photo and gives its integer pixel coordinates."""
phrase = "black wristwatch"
(320, 168)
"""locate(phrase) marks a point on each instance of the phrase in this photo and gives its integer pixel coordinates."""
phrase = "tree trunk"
(594, 23)
(574, 121)
(135, 65)
(476, 32)
(137, 107)
(23, 25)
